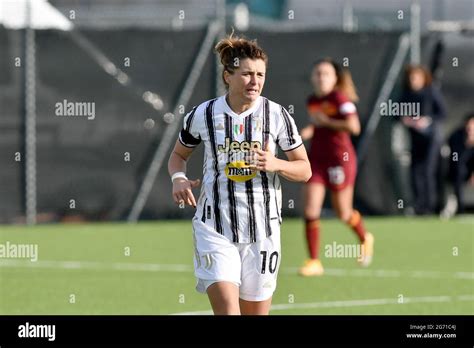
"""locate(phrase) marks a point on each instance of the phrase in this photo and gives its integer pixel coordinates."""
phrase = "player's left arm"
(296, 168)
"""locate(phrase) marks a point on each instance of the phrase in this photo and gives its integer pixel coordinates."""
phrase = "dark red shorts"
(334, 173)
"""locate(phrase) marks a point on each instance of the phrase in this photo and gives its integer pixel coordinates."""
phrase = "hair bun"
(233, 47)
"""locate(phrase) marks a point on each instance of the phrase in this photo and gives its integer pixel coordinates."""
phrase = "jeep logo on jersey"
(239, 171)
(235, 146)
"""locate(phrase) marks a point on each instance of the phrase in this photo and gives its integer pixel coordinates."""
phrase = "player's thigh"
(260, 264)
(216, 258)
(313, 199)
(342, 202)
(224, 298)
(255, 308)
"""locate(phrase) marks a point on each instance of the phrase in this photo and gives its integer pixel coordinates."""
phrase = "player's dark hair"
(410, 69)
(344, 82)
(468, 117)
(232, 49)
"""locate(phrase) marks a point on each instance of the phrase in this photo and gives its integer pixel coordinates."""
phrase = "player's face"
(417, 80)
(324, 78)
(470, 128)
(246, 83)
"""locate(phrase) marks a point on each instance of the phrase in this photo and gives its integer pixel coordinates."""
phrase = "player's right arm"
(350, 124)
(182, 186)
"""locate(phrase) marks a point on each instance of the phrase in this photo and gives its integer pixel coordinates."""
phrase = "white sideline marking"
(148, 267)
(354, 303)
(380, 273)
(467, 219)
(464, 275)
(153, 267)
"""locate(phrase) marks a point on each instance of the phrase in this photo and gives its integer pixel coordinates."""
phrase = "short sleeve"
(189, 136)
(345, 106)
(288, 136)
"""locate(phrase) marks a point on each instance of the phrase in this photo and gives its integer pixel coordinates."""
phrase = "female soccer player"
(333, 158)
(237, 221)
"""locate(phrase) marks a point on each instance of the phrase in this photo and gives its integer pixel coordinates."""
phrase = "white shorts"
(253, 267)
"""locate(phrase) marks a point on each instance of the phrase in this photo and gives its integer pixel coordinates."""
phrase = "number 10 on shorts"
(272, 261)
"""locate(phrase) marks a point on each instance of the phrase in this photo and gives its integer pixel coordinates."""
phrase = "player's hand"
(320, 119)
(407, 121)
(182, 191)
(264, 160)
(471, 180)
(307, 132)
(422, 122)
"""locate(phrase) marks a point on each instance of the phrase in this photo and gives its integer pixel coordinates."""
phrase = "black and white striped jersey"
(240, 203)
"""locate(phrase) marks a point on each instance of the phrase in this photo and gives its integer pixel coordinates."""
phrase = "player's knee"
(225, 307)
(311, 213)
(224, 298)
(226, 310)
(344, 215)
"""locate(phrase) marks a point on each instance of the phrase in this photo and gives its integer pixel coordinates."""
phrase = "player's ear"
(226, 76)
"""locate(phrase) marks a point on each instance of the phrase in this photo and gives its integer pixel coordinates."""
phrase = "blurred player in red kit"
(333, 159)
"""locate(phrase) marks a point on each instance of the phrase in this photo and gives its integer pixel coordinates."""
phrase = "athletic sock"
(312, 237)
(357, 225)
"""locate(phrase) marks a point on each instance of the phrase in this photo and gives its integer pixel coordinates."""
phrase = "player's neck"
(236, 105)
(321, 94)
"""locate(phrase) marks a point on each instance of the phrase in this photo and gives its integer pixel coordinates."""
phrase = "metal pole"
(154, 99)
(221, 19)
(170, 131)
(390, 80)
(347, 17)
(415, 20)
(30, 120)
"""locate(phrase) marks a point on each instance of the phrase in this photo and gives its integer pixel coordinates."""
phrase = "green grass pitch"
(421, 266)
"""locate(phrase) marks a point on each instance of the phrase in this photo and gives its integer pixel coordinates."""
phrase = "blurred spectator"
(461, 164)
(425, 134)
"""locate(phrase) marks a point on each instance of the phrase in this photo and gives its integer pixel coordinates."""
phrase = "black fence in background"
(96, 165)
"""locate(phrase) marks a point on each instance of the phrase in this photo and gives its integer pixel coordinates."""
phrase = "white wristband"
(179, 175)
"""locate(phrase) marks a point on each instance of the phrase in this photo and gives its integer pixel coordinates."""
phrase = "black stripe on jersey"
(187, 139)
(293, 148)
(212, 139)
(276, 200)
(249, 186)
(234, 224)
(266, 191)
(289, 129)
(204, 207)
(189, 121)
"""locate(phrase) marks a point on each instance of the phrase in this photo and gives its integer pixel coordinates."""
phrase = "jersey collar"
(248, 112)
